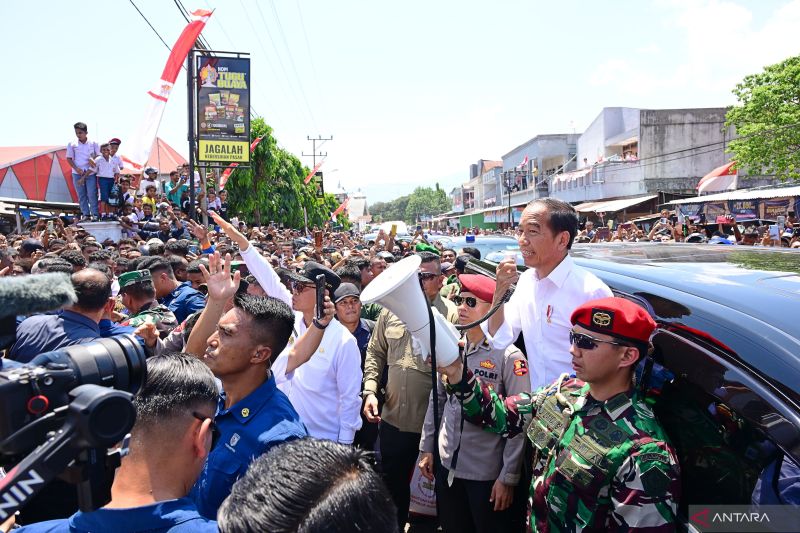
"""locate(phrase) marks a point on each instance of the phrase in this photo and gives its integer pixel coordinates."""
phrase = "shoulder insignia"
(488, 364)
(520, 367)
(655, 481)
(653, 456)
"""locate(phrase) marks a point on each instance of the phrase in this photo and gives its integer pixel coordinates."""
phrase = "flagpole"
(190, 100)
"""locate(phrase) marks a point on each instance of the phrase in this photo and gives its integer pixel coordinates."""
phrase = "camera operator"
(75, 325)
(173, 435)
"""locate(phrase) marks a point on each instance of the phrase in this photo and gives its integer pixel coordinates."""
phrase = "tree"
(426, 202)
(767, 121)
(272, 188)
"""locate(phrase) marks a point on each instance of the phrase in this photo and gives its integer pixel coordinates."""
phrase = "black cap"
(31, 245)
(345, 290)
(310, 272)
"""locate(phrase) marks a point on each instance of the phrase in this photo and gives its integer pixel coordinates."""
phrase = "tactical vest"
(572, 460)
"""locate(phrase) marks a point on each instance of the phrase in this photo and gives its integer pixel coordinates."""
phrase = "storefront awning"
(567, 176)
(611, 206)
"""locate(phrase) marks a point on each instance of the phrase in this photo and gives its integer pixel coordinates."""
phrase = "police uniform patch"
(655, 481)
(603, 318)
(520, 367)
(245, 412)
(488, 364)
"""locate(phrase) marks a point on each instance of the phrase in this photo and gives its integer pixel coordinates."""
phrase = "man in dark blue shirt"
(239, 347)
(180, 298)
(75, 325)
(170, 442)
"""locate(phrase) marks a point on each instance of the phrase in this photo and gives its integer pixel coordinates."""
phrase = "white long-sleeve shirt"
(331, 378)
(541, 310)
(325, 390)
(260, 268)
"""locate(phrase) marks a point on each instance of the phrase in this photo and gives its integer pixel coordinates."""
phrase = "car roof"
(746, 297)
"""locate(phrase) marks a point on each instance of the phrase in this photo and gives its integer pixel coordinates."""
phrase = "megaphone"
(398, 290)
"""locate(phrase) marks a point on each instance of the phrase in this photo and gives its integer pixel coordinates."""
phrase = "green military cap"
(422, 247)
(137, 276)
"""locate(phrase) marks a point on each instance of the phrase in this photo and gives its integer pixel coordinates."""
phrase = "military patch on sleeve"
(603, 318)
(655, 481)
(659, 457)
(520, 367)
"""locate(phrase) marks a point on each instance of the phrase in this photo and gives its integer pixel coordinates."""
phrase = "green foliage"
(767, 121)
(425, 201)
(393, 210)
(272, 189)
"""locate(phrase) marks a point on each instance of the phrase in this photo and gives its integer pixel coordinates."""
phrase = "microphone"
(26, 295)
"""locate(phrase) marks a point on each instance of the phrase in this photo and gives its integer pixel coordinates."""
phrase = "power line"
(283, 68)
(291, 61)
(151, 26)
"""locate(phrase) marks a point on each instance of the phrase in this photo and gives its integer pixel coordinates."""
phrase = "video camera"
(60, 413)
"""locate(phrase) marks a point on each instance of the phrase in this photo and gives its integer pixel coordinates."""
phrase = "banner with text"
(713, 210)
(743, 209)
(223, 109)
(771, 208)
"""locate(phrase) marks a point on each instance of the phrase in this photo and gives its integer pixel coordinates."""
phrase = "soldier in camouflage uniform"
(138, 295)
(602, 462)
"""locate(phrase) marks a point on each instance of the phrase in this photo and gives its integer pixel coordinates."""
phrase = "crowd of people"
(248, 379)
(266, 409)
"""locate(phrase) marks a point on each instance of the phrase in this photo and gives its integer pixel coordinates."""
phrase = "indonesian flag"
(524, 162)
(722, 178)
(313, 171)
(339, 209)
(138, 150)
(227, 174)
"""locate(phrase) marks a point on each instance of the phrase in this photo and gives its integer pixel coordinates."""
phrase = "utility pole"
(313, 155)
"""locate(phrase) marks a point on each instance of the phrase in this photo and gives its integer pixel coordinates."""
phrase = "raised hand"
(221, 287)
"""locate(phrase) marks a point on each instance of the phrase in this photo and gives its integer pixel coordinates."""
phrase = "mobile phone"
(318, 239)
(194, 249)
(663, 221)
(320, 286)
(602, 233)
(393, 231)
(49, 225)
(781, 220)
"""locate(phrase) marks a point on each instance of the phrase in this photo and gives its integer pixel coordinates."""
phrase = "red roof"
(162, 156)
(10, 155)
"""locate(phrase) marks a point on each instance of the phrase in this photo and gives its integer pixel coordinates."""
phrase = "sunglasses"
(299, 286)
(215, 433)
(587, 342)
(469, 300)
(426, 276)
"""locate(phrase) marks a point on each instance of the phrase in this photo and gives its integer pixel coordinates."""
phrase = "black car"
(725, 374)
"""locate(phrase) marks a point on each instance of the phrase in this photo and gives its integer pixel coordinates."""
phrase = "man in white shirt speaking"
(546, 293)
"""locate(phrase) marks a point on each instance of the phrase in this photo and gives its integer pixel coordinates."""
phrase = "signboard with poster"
(743, 209)
(223, 109)
(319, 186)
(714, 209)
(772, 208)
(691, 211)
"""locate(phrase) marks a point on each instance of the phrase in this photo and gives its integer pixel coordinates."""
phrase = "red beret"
(480, 286)
(114, 141)
(617, 317)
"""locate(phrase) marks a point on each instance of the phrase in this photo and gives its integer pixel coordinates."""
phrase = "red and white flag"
(137, 152)
(339, 209)
(313, 171)
(223, 179)
(524, 162)
(724, 178)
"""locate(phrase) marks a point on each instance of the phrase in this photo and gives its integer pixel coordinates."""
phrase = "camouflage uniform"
(598, 466)
(154, 313)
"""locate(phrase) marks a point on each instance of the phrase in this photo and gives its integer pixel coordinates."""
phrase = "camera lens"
(118, 362)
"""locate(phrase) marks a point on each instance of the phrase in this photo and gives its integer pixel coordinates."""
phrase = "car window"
(726, 429)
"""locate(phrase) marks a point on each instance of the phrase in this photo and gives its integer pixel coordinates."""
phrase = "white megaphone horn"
(398, 289)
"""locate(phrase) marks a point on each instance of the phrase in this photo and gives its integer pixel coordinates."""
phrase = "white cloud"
(716, 42)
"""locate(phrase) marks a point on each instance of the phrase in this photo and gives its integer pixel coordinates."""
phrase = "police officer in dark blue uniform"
(240, 345)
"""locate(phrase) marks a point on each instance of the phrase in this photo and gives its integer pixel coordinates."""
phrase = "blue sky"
(412, 92)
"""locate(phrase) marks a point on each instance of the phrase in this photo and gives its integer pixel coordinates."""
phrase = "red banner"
(313, 171)
(223, 179)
